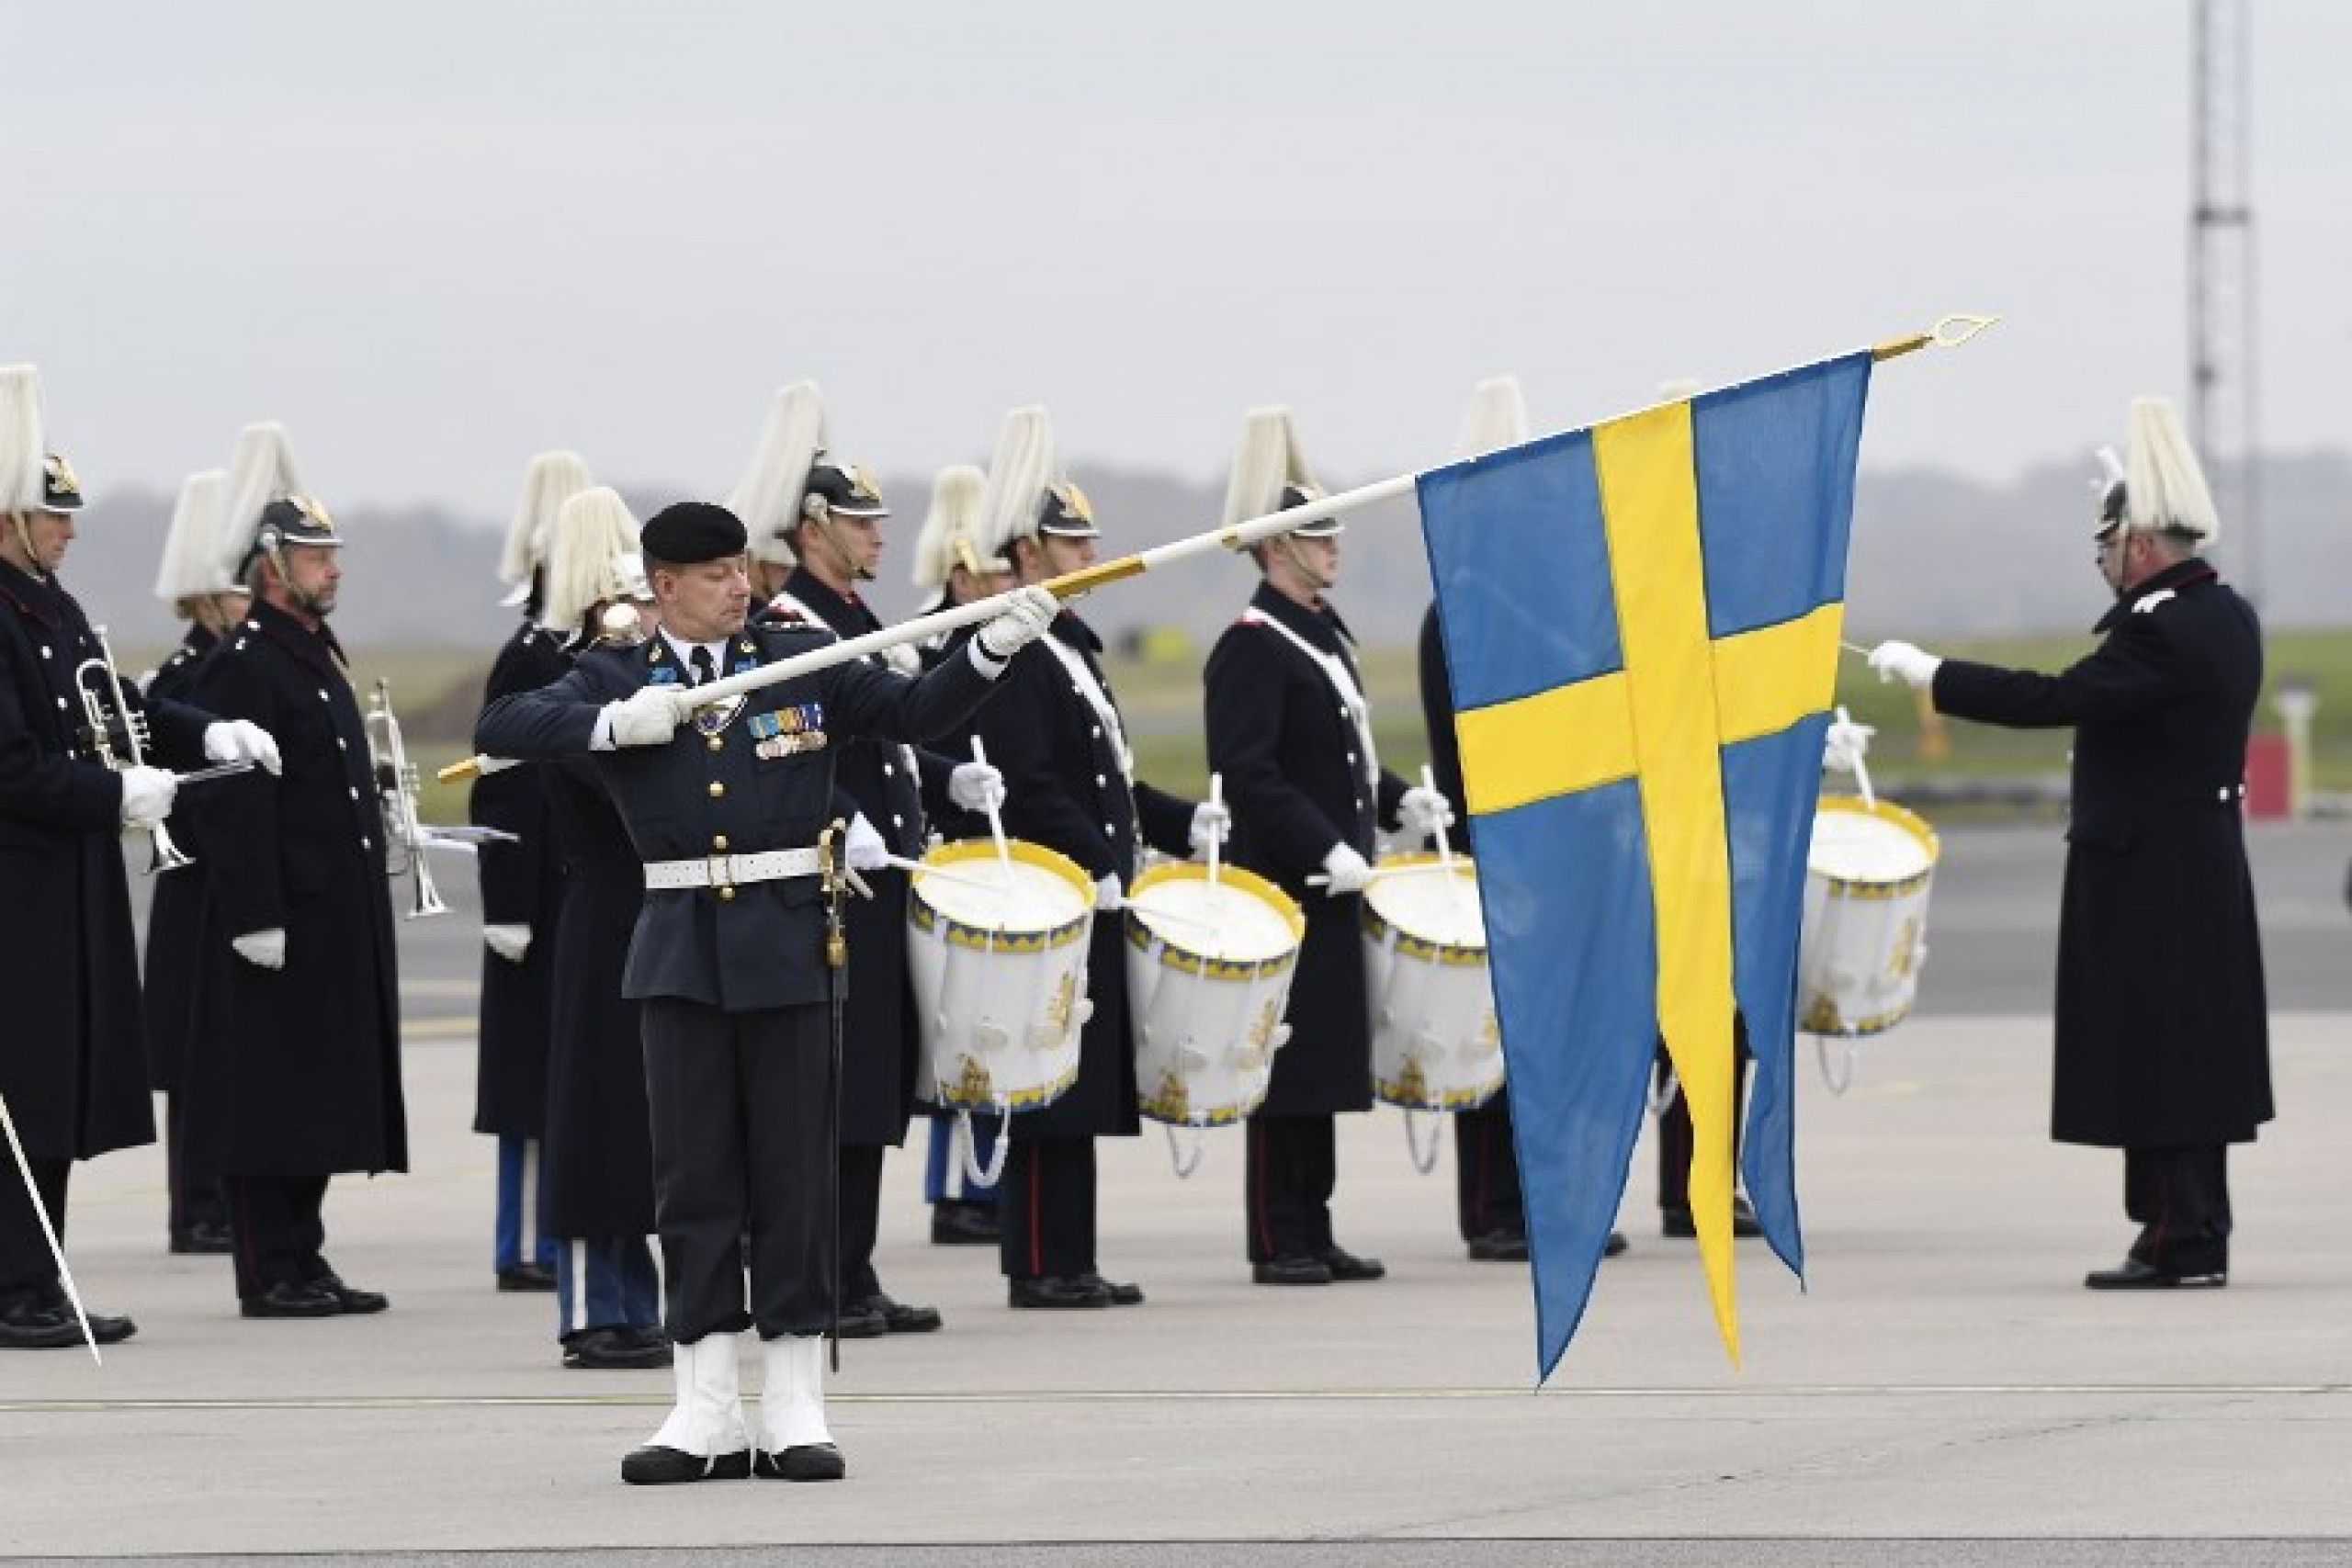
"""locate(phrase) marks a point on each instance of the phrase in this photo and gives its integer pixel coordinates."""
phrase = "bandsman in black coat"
(208, 597)
(1291, 731)
(724, 806)
(522, 895)
(599, 1147)
(72, 1076)
(295, 1068)
(2163, 1043)
(1069, 784)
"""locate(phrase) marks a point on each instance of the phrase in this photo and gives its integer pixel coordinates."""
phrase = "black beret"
(691, 532)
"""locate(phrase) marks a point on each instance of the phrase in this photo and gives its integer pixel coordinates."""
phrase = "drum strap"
(1083, 677)
(1344, 681)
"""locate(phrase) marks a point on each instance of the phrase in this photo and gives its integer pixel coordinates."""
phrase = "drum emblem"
(1058, 1010)
(1262, 1031)
(1412, 1084)
(1907, 945)
(1821, 1016)
(974, 1085)
(1175, 1103)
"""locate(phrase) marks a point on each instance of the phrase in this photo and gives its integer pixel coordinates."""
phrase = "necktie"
(706, 670)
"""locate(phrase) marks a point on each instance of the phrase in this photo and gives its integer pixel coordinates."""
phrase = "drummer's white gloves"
(1913, 665)
(1348, 872)
(1022, 621)
(1212, 824)
(241, 740)
(509, 942)
(1422, 811)
(1109, 897)
(975, 787)
(147, 795)
(863, 847)
(649, 717)
(902, 656)
(264, 949)
(1844, 745)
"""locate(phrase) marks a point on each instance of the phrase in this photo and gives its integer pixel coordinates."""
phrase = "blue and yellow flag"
(1640, 621)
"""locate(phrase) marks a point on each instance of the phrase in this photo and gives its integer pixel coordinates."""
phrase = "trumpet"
(105, 711)
(396, 786)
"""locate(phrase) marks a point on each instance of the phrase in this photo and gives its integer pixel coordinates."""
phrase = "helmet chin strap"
(33, 562)
(1298, 559)
(824, 522)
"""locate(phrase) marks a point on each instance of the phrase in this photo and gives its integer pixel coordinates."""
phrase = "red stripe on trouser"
(1036, 1209)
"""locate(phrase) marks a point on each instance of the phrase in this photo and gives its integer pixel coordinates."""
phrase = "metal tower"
(2222, 285)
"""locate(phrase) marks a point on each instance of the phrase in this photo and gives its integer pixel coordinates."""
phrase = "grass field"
(435, 692)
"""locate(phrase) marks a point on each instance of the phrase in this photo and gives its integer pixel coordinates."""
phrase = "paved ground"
(1943, 1391)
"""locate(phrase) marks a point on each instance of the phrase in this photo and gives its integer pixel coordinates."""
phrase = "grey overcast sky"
(435, 238)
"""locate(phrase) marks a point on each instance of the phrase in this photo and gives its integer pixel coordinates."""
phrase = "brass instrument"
(105, 711)
(396, 786)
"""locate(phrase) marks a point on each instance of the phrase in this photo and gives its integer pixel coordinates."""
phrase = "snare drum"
(998, 965)
(1865, 927)
(1435, 1045)
(1209, 966)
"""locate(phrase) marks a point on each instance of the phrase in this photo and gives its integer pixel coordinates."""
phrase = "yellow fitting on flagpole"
(1069, 585)
(464, 768)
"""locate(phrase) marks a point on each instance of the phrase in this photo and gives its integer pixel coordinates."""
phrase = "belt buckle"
(720, 865)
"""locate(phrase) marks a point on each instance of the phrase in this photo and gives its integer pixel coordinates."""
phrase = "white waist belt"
(730, 870)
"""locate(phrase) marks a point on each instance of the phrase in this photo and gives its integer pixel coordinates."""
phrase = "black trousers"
(741, 1113)
(194, 1196)
(277, 1229)
(2180, 1200)
(28, 1273)
(1294, 1166)
(1486, 1170)
(860, 1194)
(1676, 1138)
(1045, 1201)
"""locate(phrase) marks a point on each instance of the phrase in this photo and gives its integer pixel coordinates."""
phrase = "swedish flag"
(1641, 620)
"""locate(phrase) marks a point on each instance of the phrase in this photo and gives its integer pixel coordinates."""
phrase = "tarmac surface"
(1941, 1390)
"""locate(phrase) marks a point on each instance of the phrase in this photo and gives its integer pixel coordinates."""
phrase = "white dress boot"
(794, 1444)
(704, 1438)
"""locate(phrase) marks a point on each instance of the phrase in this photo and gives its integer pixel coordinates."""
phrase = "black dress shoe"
(349, 1299)
(1614, 1244)
(39, 1325)
(1290, 1271)
(903, 1317)
(1678, 1222)
(964, 1224)
(535, 1277)
(803, 1462)
(613, 1349)
(204, 1236)
(1504, 1244)
(655, 1465)
(1346, 1266)
(861, 1320)
(1121, 1295)
(1055, 1290)
(2134, 1275)
(109, 1330)
(286, 1299)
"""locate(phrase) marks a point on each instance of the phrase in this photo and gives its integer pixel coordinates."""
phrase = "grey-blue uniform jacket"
(762, 781)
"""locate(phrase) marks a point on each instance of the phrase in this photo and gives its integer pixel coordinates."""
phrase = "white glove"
(902, 656)
(1212, 824)
(1109, 897)
(650, 717)
(264, 949)
(1916, 667)
(975, 787)
(1348, 872)
(510, 943)
(147, 795)
(1423, 811)
(1023, 621)
(1845, 743)
(863, 847)
(241, 740)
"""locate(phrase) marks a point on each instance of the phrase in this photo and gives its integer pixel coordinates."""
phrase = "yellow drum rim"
(1885, 811)
(1377, 926)
(1174, 951)
(924, 915)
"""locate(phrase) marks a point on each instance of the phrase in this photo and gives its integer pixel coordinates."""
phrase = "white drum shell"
(1000, 997)
(1435, 1043)
(1864, 937)
(1206, 1027)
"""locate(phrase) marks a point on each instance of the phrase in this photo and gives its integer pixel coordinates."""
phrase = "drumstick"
(995, 819)
(1153, 911)
(924, 868)
(1422, 868)
(1216, 797)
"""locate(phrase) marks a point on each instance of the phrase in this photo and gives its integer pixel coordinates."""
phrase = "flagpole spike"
(1950, 332)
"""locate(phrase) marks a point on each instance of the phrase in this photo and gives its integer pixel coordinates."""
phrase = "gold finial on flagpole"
(1950, 332)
